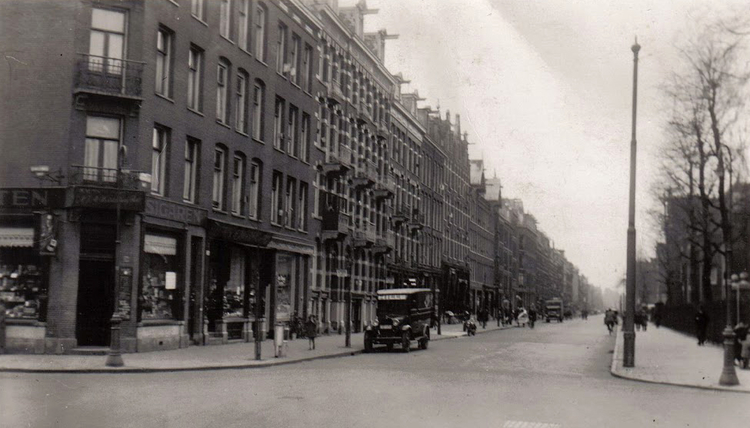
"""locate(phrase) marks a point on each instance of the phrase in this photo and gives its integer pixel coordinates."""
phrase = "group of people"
(307, 328)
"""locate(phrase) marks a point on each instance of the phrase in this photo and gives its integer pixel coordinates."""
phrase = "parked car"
(403, 315)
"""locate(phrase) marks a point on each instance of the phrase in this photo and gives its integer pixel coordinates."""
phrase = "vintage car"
(553, 308)
(403, 315)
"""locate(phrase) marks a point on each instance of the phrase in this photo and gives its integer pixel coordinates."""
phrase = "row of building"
(194, 166)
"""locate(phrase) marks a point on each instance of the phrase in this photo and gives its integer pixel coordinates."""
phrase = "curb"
(614, 372)
(264, 364)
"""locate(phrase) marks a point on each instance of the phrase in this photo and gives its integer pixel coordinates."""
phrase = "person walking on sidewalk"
(311, 330)
(701, 325)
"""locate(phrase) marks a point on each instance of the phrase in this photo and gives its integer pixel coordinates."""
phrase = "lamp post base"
(114, 358)
(628, 356)
(728, 374)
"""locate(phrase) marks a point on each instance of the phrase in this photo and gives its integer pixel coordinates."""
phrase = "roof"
(403, 291)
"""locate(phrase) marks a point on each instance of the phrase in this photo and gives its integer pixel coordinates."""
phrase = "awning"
(16, 237)
(163, 245)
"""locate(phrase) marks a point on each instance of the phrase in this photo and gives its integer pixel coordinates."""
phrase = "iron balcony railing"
(112, 76)
(105, 177)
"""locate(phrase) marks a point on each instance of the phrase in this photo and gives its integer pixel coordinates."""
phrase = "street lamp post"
(348, 303)
(114, 356)
(628, 327)
(728, 374)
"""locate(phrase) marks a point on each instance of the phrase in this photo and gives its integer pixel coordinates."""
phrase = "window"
(304, 139)
(102, 144)
(294, 60)
(254, 190)
(277, 202)
(258, 99)
(278, 124)
(292, 134)
(197, 8)
(241, 102)
(219, 178)
(159, 146)
(291, 202)
(222, 81)
(281, 50)
(302, 207)
(307, 69)
(317, 184)
(192, 148)
(225, 14)
(164, 62)
(238, 188)
(242, 23)
(195, 60)
(260, 32)
(107, 41)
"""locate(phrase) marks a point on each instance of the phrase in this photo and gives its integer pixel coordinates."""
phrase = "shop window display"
(160, 291)
(21, 290)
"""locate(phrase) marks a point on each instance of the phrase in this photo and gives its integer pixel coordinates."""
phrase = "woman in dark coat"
(311, 330)
(701, 325)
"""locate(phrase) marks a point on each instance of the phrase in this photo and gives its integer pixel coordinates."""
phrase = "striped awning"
(16, 237)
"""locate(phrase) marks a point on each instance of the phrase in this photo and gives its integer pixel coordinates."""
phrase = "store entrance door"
(95, 302)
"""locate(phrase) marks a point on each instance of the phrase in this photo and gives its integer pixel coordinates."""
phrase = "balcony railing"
(338, 162)
(384, 244)
(401, 215)
(366, 175)
(364, 113)
(95, 176)
(335, 224)
(110, 76)
(365, 237)
(335, 94)
(417, 221)
(385, 188)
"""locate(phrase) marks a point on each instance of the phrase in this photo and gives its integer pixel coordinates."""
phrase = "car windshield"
(393, 307)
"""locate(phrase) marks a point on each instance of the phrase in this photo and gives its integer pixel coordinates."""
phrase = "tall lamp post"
(348, 303)
(628, 330)
(728, 374)
(114, 356)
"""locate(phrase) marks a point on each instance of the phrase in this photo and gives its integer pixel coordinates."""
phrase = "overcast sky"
(544, 89)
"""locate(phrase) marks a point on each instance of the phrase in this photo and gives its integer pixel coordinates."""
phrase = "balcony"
(381, 131)
(385, 188)
(363, 115)
(338, 162)
(401, 215)
(334, 94)
(417, 221)
(385, 244)
(366, 175)
(111, 77)
(98, 187)
(365, 237)
(335, 225)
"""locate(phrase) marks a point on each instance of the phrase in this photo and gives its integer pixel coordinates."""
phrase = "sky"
(544, 89)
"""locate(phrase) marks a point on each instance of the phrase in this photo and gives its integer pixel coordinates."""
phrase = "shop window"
(22, 291)
(234, 290)
(161, 285)
(286, 275)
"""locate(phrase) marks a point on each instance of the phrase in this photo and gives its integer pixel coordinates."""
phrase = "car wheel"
(405, 342)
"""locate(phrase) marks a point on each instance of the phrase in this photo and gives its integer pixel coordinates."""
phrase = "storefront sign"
(32, 198)
(93, 197)
(124, 293)
(172, 211)
(239, 234)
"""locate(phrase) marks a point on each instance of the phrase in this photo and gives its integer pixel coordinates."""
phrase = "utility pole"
(628, 327)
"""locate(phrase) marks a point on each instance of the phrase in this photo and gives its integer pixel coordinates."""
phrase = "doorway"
(95, 302)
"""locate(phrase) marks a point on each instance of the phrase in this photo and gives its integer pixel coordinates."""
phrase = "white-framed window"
(278, 124)
(254, 192)
(238, 184)
(304, 138)
(103, 139)
(292, 134)
(277, 202)
(222, 82)
(225, 17)
(195, 65)
(258, 110)
(159, 147)
(196, 9)
(281, 49)
(243, 16)
(241, 102)
(107, 41)
(260, 32)
(291, 203)
(302, 207)
(294, 59)
(219, 178)
(190, 177)
(164, 62)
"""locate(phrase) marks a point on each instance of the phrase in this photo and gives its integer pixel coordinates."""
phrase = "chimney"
(458, 125)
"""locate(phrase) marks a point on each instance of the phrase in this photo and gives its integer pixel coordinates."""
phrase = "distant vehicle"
(403, 315)
(554, 309)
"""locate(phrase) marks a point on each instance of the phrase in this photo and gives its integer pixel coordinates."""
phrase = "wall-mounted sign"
(232, 233)
(94, 197)
(32, 198)
(174, 211)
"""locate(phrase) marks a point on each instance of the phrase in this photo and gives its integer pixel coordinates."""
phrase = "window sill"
(279, 150)
(218, 210)
(190, 109)
(244, 134)
(174, 3)
(185, 201)
(226, 38)
(261, 61)
(259, 141)
(200, 20)
(164, 97)
(219, 122)
(245, 50)
(275, 224)
(317, 217)
(157, 322)
(308, 93)
(281, 75)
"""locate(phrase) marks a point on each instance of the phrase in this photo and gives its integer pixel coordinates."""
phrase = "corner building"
(172, 142)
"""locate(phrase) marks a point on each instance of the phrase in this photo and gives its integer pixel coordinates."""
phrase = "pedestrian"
(532, 315)
(483, 317)
(311, 330)
(701, 325)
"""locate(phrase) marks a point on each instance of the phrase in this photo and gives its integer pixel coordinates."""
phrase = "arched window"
(260, 32)
(222, 88)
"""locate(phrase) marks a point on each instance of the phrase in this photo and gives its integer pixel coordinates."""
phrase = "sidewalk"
(231, 356)
(665, 356)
